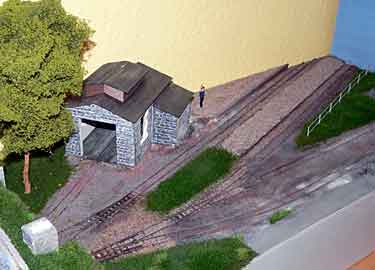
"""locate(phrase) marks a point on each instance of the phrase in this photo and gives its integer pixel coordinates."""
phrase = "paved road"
(348, 187)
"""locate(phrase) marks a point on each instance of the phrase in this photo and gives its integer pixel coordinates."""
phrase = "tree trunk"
(26, 178)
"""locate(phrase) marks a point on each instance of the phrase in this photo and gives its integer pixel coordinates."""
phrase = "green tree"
(41, 52)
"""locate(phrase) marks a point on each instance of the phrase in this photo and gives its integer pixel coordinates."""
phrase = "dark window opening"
(100, 125)
(142, 126)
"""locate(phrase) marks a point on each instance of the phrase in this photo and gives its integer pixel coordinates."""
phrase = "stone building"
(126, 107)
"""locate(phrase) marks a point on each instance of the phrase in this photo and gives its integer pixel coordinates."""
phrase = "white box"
(41, 236)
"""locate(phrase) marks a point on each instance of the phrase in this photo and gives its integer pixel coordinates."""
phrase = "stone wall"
(125, 141)
(125, 137)
(74, 147)
(164, 127)
(183, 124)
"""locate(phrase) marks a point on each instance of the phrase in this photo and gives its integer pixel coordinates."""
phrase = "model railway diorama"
(129, 168)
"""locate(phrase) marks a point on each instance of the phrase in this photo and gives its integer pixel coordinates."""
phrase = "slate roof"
(122, 75)
(174, 100)
(154, 86)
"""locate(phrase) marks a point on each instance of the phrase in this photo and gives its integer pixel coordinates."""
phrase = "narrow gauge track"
(258, 97)
(136, 242)
(78, 185)
(302, 113)
(285, 129)
(155, 236)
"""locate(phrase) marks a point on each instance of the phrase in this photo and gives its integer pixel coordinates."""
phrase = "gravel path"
(281, 105)
(263, 188)
(241, 213)
(95, 185)
(220, 98)
(261, 194)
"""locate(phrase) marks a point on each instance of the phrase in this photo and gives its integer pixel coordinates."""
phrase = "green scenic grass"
(199, 173)
(47, 174)
(13, 214)
(355, 110)
(279, 215)
(226, 254)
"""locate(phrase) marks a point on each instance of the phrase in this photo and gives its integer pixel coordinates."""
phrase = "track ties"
(216, 138)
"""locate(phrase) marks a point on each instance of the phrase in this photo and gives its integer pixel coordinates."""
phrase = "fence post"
(350, 87)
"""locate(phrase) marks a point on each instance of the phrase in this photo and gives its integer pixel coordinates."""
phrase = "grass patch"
(13, 214)
(199, 173)
(279, 215)
(47, 174)
(355, 110)
(226, 254)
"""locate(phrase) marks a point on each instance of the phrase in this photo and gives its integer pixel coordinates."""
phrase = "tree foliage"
(41, 50)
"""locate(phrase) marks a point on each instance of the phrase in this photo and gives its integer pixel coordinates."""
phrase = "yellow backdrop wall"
(209, 41)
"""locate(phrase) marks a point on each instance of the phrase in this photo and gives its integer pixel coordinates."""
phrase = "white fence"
(316, 122)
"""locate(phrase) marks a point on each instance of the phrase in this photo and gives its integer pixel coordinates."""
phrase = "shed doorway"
(98, 141)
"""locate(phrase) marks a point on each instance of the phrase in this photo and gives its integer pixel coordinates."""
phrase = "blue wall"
(355, 32)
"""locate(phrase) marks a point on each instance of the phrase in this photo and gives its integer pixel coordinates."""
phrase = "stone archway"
(124, 141)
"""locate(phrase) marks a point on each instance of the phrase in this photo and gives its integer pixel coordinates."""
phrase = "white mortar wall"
(334, 243)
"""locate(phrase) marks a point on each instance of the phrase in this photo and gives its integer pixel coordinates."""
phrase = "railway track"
(259, 96)
(137, 241)
(71, 195)
(279, 139)
(157, 236)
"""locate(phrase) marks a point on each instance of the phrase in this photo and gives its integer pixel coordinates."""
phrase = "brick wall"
(115, 93)
(93, 90)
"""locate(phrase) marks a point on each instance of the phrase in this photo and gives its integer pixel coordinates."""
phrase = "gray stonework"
(183, 124)
(124, 133)
(73, 147)
(125, 141)
(164, 128)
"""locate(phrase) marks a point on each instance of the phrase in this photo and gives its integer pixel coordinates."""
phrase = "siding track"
(237, 184)
(254, 102)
